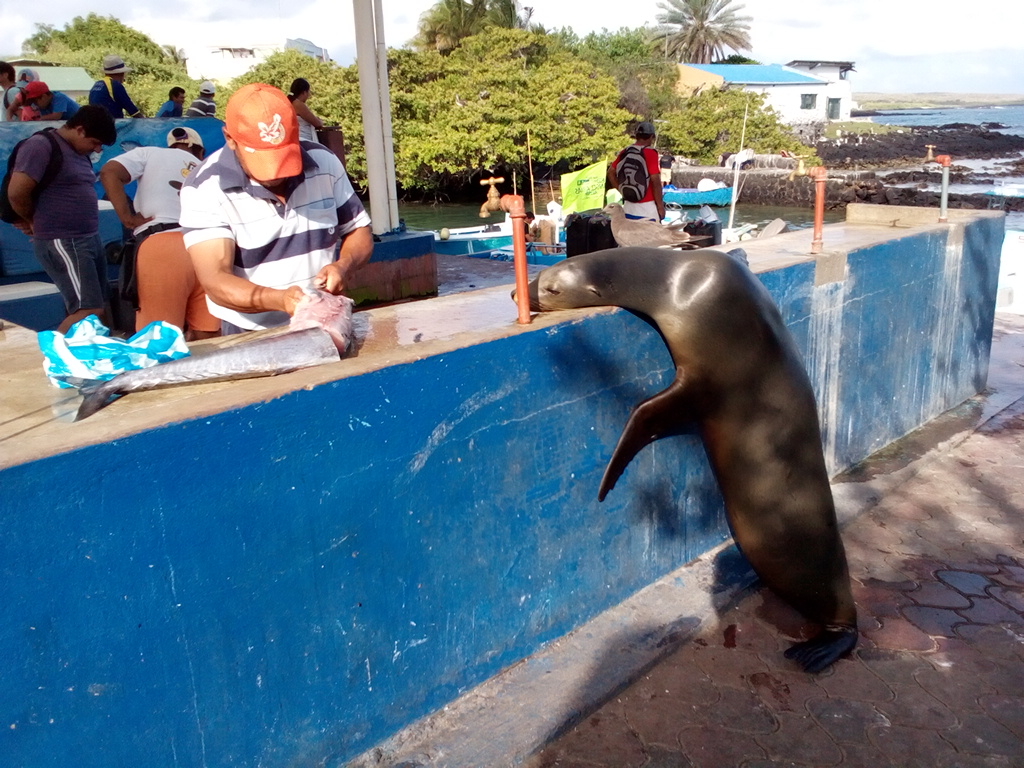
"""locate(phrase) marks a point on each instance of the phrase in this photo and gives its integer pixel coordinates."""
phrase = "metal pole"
(944, 161)
(373, 132)
(384, 96)
(514, 205)
(819, 174)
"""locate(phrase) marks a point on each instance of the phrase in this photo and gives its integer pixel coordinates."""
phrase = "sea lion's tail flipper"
(823, 650)
(667, 413)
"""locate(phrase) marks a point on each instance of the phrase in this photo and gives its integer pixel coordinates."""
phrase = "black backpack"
(53, 166)
(631, 172)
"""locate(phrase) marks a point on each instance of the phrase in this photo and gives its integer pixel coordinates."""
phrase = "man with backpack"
(637, 176)
(50, 188)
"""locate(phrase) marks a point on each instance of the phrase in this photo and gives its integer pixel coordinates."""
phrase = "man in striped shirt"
(264, 215)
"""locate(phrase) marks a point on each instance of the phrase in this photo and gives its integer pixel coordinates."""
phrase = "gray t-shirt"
(66, 207)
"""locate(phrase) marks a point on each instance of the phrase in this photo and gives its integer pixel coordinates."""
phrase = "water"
(1010, 116)
(426, 216)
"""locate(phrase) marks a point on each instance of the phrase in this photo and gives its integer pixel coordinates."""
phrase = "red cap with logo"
(35, 89)
(263, 123)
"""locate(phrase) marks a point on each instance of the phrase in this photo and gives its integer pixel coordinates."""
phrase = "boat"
(473, 241)
(695, 197)
(1004, 189)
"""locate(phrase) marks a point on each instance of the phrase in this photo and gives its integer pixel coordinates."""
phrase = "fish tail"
(95, 396)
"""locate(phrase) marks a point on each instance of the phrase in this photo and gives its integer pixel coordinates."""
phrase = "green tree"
(646, 82)
(699, 31)
(86, 40)
(711, 123)
(335, 97)
(444, 25)
(458, 116)
(509, 14)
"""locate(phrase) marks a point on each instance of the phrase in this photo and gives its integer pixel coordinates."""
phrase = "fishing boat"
(696, 197)
(473, 241)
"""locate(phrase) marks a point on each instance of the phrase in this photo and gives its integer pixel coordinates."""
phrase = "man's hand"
(24, 226)
(135, 220)
(331, 278)
(292, 297)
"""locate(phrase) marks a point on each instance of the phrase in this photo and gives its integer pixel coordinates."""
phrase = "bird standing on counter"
(644, 232)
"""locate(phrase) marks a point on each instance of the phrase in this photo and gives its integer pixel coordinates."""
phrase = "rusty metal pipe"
(516, 208)
(944, 161)
(819, 174)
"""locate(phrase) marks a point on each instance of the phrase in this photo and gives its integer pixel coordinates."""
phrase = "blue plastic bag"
(88, 352)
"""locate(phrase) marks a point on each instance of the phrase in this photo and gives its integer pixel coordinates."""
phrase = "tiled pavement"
(937, 680)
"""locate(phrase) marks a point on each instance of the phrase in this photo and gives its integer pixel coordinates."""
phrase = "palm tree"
(444, 25)
(699, 31)
(509, 14)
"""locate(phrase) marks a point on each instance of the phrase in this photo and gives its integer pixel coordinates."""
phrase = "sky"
(897, 46)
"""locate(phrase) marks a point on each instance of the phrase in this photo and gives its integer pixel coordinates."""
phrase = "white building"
(793, 91)
(222, 63)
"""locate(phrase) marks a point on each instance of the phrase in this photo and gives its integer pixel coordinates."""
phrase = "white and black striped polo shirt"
(276, 244)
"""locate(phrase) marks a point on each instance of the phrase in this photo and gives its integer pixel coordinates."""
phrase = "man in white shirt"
(267, 215)
(168, 289)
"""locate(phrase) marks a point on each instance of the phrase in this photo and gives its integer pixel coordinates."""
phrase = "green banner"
(584, 190)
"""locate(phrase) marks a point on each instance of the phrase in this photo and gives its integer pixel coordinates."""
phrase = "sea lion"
(741, 381)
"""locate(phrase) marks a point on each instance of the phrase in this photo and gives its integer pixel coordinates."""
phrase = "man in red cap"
(52, 105)
(264, 215)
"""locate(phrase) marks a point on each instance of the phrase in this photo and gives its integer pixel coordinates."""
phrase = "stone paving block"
(678, 679)
(982, 735)
(864, 755)
(846, 721)
(880, 599)
(909, 747)
(916, 708)
(1004, 642)
(952, 654)
(988, 610)
(750, 634)
(1006, 677)
(1006, 710)
(850, 679)
(933, 621)
(800, 739)
(976, 761)
(727, 666)
(784, 691)
(979, 566)
(1008, 596)
(741, 710)
(659, 721)
(900, 635)
(603, 738)
(891, 666)
(972, 584)
(960, 692)
(707, 748)
(659, 757)
(935, 594)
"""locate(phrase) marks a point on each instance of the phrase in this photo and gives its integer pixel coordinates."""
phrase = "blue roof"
(757, 74)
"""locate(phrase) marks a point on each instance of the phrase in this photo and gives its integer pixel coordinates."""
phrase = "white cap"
(183, 135)
(207, 86)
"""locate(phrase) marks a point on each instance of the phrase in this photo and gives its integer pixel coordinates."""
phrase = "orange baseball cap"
(263, 123)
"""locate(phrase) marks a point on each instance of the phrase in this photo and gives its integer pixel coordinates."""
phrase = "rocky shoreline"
(884, 169)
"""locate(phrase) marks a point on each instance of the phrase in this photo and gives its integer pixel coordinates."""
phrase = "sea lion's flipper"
(659, 416)
(823, 650)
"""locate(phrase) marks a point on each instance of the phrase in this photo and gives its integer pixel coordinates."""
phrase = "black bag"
(127, 276)
(53, 166)
(588, 232)
(632, 174)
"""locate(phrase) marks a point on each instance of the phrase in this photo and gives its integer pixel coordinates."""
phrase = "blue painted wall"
(290, 582)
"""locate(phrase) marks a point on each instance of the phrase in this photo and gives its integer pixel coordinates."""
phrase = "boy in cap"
(52, 105)
(203, 106)
(636, 173)
(110, 92)
(263, 216)
(167, 286)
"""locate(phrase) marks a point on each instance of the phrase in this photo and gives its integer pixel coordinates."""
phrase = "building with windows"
(222, 63)
(801, 91)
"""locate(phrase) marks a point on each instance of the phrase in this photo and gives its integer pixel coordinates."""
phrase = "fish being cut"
(320, 333)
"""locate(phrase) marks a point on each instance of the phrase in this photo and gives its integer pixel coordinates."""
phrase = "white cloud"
(897, 45)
